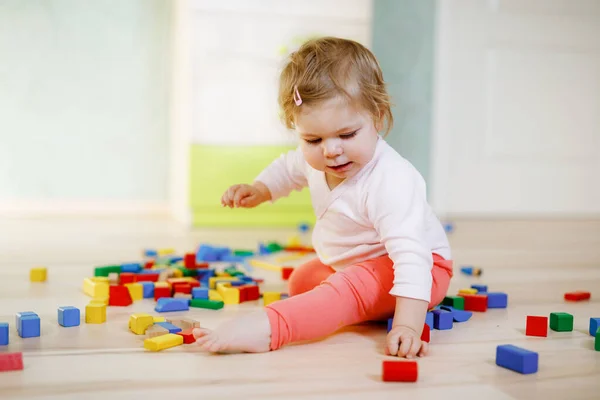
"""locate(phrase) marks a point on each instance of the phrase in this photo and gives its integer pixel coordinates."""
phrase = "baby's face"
(336, 138)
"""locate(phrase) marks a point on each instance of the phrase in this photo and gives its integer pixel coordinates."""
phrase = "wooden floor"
(534, 262)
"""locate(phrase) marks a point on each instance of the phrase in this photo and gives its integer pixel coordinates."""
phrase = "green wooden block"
(187, 271)
(274, 247)
(243, 253)
(597, 346)
(561, 322)
(210, 304)
(454, 301)
(104, 271)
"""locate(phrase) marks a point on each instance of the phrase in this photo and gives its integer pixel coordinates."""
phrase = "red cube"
(182, 288)
(251, 292)
(475, 302)
(11, 362)
(400, 371)
(147, 277)
(149, 264)
(119, 296)
(577, 296)
(189, 260)
(286, 272)
(426, 335)
(161, 292)
(126, 277)
(188, 336)
(536, 326)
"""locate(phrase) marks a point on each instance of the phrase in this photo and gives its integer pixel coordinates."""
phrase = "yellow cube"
(270, 297)
(163, 342)
(214, 295)
(136, 291)
(213, 279)
(230, 295)
(38, 274)
(158, 319)
(95, 313)
(100, 300)
(138, 323)
(467, 291)
(95, 289)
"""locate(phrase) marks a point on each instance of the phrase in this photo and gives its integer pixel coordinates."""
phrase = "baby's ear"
(379, 124)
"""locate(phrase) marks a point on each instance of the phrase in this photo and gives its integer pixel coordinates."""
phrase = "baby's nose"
(332, 149)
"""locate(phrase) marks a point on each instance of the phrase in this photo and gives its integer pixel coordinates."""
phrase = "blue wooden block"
(480, 288)
(150, 253)
(442, 319)
(29, 326)
(69, 316)
(200, 293)
(246, 279)
(147, 289)
(458, 315)
(390, 324)
(496, 299)
(517, 359)
(429, 319)
(22, 314)
(3, 333)
(263, 250)
(167, 325)
(594, 326)
(131, 267)
(166, 304)
(232, 258)
(237, 283)
(174, 259)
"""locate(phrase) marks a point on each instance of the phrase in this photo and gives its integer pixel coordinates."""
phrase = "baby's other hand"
(404, 341)
(242, 195)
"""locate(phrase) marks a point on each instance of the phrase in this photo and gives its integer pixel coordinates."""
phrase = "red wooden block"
(243, 293)
(400, 371)
(252, 292)
(149, 264)
(286, 272)
(577, 296)
(162, 292)
(194, 284)
(11, 361)
(147, 277)
(302, 249)
(475, 302)
(126, 277)
(536, 326)
(259, 280)
(118, 295)
(189, 260)
(188, 336)
(203, 265)
(182, 288)
(426, 335)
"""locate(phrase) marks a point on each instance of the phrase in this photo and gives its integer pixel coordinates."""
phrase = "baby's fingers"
(241, 194)
(424, 349)
(392, 345)
(406, 342)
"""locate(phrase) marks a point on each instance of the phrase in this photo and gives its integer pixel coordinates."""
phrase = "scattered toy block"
(140, 322)
(597, 341)
(11, 362)
(159, 319)
(131, 267)
(594, 325)
(469, 270)
(286, 272)
(156, 330)
(165, 252)
(390, 324)
(104, 271)
(252, 292)
(475, 302)
(28, 324)
(101, 279)
(188, 336)
(456, 302)
(161, 292)
(147, 277)
(442, 319)
(189, 260)
(400, 371)
(149, 264)
(270, 297)
(209, 304)
(95, 289)
(166, 304)
(265, 266)
(496, 299)
(136, 291)
(200, 293)
(212, 281)
(536, 326)
(119, 296)
(170, 327)
(426, 334)
(163, 342)
(185, 288)
(126, 277)
(429, 319)
(467, 291)
(480, 288)
(3, 333)
(561, 322)
(39, 274)
(214, 295)
(517, 359)
(577, 296)
(230, 295)
(150, 253)
(69, 316)
(184, 323)
(182, 296)
(147, 289)
(458, 315)
(95, 313)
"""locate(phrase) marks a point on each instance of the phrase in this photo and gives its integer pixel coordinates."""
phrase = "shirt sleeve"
(396, 205)
(284, 174)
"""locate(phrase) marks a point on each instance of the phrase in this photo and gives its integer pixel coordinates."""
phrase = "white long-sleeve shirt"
(382, 209)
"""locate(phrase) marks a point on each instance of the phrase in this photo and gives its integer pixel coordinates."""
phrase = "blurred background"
(154, 107)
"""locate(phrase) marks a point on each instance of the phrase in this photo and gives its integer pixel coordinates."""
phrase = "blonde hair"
(329, 67)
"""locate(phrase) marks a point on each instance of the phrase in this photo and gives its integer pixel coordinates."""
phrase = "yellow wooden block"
(100, 300)
(290, 257)
(270, 297)
(468, 291)
(230, 295)
(165, 252)
(221, 274)
(163, 342)
(159, 319)
(136, 290)
(138, 323)
(213, 279)
(264, 265)
(214, 295)
(294, 241)
(38, 274)
(95, 289)
(177, 273)
(95, 313)
(103, 279)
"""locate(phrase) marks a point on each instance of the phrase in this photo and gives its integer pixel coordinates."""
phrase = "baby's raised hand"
(404, 341)
(243, 195)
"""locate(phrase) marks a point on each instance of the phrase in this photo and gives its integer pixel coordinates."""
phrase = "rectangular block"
(517, 359)
(454, 302)
(3, 333)
(209, 304)
(561, 322)
(594, 326)
(597, 341)
(496, 299)
(156, 330)
(147, 289)
(399, 371)
(480, 288)
(429, 319)
(163, 342)
(200, 293)
(69, 316)
(170, 327)
(136, 291)
(578, 296)
(131, 267)
(166, 304)
(188, 336)
(475, 302)
(467, 291)
(11, 362)
(104, 271)
(184, 323)
(536, 326)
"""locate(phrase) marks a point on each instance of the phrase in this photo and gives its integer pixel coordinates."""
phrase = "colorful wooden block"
(400, 371)
(188, 336)
(469, 270)
(147, 289)
(3, 333)
(163, 342)
(270, 297)
(475, 302)
(480, 288)
(456, 302)
(140, 322)
(161, 292)
(442, 319)
(536, 326)
(147, 277)
(156, 330)
(517, 359)
(104, 271)
(594, 325)
(467, 291)
(578, 296)
(251, 292)
(126, 277)
(11, 362)
(458, 315)
(230, 295)
(496, 299)
(166, 304)
(429, 319)
(212, 281)
(170, 327)
(119, 296)
(184, 323)
(426, 334)
(95, 289)
(28, 324)
(597, 341)
(200, 293)
(131, 267)
(561, 322)
(69, 316)
(95, 313)
(39, 274)
(286, 272)
(136, 291)
(209, 304)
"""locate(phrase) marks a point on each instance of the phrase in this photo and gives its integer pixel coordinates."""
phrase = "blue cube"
(594, 326)
(200, 293)
(390, 324)
(517, 359)
(3, 333)
(480, 288)
(496, 300)
(167, 325)
(29, 326)
(429, 319)
(442, 319)
(68, 316)
(147, 289)
(22, 314)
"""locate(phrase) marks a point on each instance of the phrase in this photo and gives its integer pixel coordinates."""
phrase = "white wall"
(84, 104)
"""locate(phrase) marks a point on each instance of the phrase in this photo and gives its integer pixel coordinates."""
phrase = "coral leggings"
(322, 300)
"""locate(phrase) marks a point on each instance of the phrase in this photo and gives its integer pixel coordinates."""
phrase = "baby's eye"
(312, 141)
(348, 135)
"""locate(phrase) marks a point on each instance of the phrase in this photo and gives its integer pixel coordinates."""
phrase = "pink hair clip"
(297, 98)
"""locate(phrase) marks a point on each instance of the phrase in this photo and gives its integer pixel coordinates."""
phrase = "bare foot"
(246, 334)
